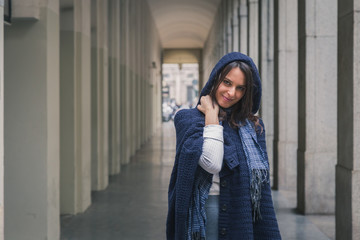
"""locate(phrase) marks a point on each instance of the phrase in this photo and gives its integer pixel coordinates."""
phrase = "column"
(266, 67)
(125, 152)
(132, 83)
(2, 122)
(128, 82)
(31, 121)
(178, 85)
(348, 156)
(235, 26)
(139, 83)
(317, 135)
(253, 31)
(111, 73)
(285, 94)
(75, 109)
(223, 17)
(99, 98)
(243, 26)
(229, 27)
(201, 71)
(117, 40)
(114, 88)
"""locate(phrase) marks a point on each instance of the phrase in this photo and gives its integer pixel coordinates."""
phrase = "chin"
(226, 105)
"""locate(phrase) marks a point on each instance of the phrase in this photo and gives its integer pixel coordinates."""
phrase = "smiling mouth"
(227, 99)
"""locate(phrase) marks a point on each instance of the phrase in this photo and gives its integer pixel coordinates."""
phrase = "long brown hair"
(242, 109)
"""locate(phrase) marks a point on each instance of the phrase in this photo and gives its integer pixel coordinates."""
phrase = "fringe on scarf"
(197, 236)
(257, 179)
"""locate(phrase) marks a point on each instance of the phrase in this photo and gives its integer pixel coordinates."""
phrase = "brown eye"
(226, 82)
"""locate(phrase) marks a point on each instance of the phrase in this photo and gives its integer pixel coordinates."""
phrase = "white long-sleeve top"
(212, 155)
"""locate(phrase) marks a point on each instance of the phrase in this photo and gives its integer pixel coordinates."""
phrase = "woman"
(219, 186)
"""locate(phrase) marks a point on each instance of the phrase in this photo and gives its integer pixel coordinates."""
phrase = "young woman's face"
(231, 89)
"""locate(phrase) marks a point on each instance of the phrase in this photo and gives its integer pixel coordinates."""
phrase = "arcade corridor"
(83, 150)
(139, 192)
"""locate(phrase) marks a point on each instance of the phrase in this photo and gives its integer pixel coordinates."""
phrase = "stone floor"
(134, 205)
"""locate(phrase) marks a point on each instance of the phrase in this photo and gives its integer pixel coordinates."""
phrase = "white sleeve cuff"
(214, 131)
(213, 149)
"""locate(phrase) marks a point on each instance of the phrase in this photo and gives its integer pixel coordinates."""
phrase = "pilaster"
(75, 109)
(317, 136)
(285, 94)
(348, 125)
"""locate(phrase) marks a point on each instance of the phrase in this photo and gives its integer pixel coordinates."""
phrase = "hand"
(210, 109)
(207, 106)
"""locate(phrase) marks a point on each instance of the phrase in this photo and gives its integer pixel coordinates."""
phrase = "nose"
(231, 92)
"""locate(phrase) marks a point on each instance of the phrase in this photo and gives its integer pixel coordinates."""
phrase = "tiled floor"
(134, 205)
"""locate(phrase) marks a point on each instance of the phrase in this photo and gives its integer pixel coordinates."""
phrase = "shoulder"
(189, 124)
(187, 117)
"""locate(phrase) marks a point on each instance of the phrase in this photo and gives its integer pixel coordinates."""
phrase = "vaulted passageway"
(81, 130)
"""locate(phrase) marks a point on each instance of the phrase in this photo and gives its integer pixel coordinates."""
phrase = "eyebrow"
(232, 82)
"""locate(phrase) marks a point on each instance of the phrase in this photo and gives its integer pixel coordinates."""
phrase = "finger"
(207, 97)
(200, 108)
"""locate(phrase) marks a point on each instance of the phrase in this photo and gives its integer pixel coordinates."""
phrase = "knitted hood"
(228, 58)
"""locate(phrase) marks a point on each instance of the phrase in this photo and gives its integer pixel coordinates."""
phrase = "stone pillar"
(235, 25)
(31, 121)
(125, 151)
(201, 71)
(229, 21)
(132, 85)
(253, 31)
(317, 106)
(111, 73)
(266, 67)
(128, 82)
(75, 111)
(2, 122)
(224, 27)
(178, 85)
(117, 40)
(348, 156)
(139, 83)
(285, 94)
(146, 107)
(99, 98)
(114, 86)
(243, 26)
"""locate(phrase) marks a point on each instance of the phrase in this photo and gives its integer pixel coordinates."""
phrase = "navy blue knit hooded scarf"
(189, 140)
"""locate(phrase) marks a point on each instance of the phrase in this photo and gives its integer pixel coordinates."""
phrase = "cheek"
(218, 92)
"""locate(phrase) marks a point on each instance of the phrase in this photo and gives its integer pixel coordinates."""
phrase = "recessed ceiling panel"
(183, 23)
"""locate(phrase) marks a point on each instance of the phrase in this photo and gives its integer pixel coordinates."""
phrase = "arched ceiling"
(183, 23)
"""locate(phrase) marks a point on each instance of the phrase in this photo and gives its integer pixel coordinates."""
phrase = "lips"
(226, 99)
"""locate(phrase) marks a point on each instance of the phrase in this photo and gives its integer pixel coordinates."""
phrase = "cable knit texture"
(235, 216)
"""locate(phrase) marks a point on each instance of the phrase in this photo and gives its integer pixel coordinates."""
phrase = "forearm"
(211, 118)
(213, 149)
